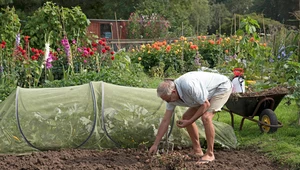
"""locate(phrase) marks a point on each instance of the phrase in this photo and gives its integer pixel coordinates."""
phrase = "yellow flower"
(143, 46)
(133, 50)
(250, 81)
(227, 39)
(16, 138)
(140, 58)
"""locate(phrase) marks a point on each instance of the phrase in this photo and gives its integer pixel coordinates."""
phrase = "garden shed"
(110, 29)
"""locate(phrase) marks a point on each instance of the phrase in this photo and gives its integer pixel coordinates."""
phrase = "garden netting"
(97, 115)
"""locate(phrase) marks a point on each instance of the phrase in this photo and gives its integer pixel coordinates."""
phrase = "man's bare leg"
(210, 137)
(193, 131)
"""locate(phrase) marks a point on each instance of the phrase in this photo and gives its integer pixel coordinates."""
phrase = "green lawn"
(282, 146)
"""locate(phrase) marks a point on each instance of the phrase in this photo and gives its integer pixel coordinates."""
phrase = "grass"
(283, 146)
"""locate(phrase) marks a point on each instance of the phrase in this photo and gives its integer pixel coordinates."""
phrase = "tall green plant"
(294, 82)
(57, 20)
(10, 38)
(9, 27)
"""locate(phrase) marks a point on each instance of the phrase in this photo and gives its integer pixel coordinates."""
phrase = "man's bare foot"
(205, 159)
(196, 154)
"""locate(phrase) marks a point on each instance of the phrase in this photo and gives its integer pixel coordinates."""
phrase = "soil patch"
(265, 92)
(134, 159)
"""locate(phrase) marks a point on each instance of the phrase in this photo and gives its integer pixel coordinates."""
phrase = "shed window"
(105, 30)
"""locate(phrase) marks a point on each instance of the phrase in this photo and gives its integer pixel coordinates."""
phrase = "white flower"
(47, 51)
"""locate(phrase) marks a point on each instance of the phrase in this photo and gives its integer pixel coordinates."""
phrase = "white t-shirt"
(197, 86)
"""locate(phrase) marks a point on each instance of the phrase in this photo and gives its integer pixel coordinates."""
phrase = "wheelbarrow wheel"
(268, 117)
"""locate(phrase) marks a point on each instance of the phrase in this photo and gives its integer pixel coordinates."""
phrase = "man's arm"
(202, 109)
(163, 127)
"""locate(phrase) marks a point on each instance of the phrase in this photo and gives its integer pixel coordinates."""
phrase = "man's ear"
(174, 91)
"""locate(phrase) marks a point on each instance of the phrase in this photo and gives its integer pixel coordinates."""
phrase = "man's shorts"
(218, 101)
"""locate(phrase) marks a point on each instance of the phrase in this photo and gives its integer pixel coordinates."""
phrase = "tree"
(5, 2)
(279, 10)
(219, 14)
(122, 9)
(185, 17)
(238, 6)
(198, 19)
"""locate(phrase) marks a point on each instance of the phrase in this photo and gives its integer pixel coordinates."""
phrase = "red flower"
(26, 38)
(3, 42)
(23, 52)
(103, 50)
(34, 57)
(112, 53)
(94, 44)
(112, 57)
(107, 48)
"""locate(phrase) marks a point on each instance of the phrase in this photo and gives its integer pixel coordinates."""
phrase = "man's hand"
(183, 123)
(152, 150)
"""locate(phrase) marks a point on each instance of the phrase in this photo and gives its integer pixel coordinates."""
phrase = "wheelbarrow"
(261, 106)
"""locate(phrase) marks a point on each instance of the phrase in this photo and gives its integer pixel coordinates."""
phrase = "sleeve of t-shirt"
(198, 92)
(170, 106)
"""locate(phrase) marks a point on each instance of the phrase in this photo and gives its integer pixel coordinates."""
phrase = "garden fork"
(164, 146)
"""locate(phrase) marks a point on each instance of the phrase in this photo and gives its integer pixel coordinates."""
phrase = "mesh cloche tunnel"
(93, 116)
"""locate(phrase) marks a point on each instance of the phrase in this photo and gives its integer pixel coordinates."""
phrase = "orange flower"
(194, 47)
(252, 39)
(219, 41)
(168, 49)
(164, 43)
(226, 51)
(212, 42)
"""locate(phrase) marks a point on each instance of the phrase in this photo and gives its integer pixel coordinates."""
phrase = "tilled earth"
(135, 159)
